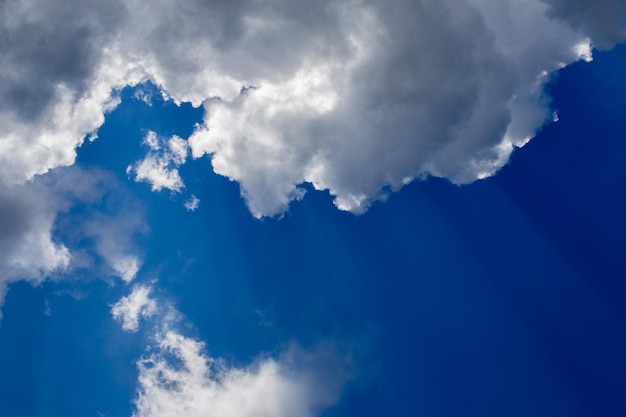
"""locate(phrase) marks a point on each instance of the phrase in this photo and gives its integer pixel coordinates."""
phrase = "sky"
(344, 208)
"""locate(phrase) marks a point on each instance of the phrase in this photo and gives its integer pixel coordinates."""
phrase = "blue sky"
(339, 231)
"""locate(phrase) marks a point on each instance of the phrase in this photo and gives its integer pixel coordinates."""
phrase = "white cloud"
(160, 166)
(450, 92)
(131, 309)
(28, 250)
(177, 377)
(40, 235)
(141, 93)
(57, 74)
(152, 140)
(126, 266)
(158, 172)
(352, 96)
(39, 239)
(192, 204)
(180, 379)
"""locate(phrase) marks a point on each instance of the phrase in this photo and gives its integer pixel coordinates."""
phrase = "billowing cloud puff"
(420, 88)
(180, 379)
(160, 166)
(56, 78)
(130, 309)
(350, 96)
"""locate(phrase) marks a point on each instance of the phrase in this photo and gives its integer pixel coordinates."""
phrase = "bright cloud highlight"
(352, 97)
(131, 309)
(180, 379)
(160, 167)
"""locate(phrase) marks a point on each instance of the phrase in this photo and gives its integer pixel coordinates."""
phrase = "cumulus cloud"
(421, 89)
(178, 378)
(160, 167)
(57, 74)
(130, 309)
(353, 97)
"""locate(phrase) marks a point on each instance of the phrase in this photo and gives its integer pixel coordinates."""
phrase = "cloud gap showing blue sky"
(279, 209)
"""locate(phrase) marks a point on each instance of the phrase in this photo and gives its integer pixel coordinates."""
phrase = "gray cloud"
(47, 44)
(56, 78)
(603, 20)
(445, 89)
(39, 235)
(27, 248)
(350, 96)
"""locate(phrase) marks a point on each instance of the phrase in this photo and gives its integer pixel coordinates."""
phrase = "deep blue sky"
(501, 298)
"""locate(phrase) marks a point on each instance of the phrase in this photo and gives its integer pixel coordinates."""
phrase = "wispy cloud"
(114, 230)
(192, 204)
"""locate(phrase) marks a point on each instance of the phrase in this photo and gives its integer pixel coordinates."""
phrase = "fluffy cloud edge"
(179, 378)
(352, 97)
(133, 308)
(160, 166)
